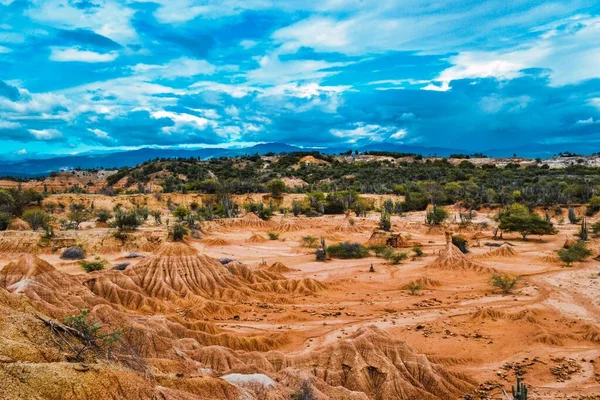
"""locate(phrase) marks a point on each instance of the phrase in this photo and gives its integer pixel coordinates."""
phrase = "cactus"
(519, 391)
(321, 253)
(573, 216)
(583, 231)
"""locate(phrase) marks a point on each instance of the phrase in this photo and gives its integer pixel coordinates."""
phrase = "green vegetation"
(36, 218)
(413, 287)
(385, 222)
(89, 333)
(97, 264)
(178, 232)
(276, 187)
(4, 221)
(347, 250)
(181, 212)
(393, 257)
(516, 218)
(103, 215)
(126, 220)
(505, 282)
(461, 243)
(273, 235)
(418, 250)
(576, 253)
(309, 241)
(436, 216)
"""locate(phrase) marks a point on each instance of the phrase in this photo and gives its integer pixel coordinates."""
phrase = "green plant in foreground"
(273, 235)
(506, 282)
(577, 252)
(97, 264)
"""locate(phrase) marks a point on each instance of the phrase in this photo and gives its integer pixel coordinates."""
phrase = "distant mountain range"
(44, 166)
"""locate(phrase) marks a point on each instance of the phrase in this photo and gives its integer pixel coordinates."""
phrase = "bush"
(577, 252)
(413, 287)
(73, 253)
(276, 187)
(90, 335)
(461, 243)
(181, 212)
(103, 215)
(418, 250)
(309, 241)
(348, 250)
(273, 235)
(436, 216)
(506, 282)
(378, 249)
(178, 232)
(97, 264)
(394, 257)
(36, 218)
(4, 221)
(385, 223)
(126, 220)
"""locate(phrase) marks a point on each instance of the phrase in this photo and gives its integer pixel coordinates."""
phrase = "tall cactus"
(583, 231)
(519, 391)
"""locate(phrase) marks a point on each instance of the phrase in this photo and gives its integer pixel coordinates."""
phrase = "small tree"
(89, 332)
(126, 220)
(393, 257)
(593, 206)
(418, 250)
(413, 287)
(461, 243)
(385, 222)
(506, 282)
(304, 392)
(277, 187)
(103, 215)
(309, 241)
(156, 214)
(273, 235)
(77, 215)
(519, 219)
(178, 232)
(572, 216)
(576, 253)
(36, 218)
(4, 221)
(97, 264)
(436, 216)
(181, 212)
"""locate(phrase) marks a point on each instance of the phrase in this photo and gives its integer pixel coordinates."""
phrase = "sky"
(95, 75)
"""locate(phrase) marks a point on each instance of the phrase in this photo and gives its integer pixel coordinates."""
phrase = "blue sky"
(83, 75)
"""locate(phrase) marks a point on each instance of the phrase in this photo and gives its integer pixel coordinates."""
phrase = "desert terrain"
(241, 309)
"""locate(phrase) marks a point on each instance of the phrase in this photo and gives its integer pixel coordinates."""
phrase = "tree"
(413, 287)
(276, 187)
(178, 232)
(97, 264)
(77, 214)
(126, 220)
(4, 221)
(506, 282)
(181, 212)
(103, 215)
(518, 219)
(385, 222)
(36, 217)
(436, 216)
(577, 252)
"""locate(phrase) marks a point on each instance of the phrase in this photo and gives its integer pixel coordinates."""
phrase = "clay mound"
(428, 282)
(549, 258)
(452, 258)
(17, 224)
(215, 242)
(54, 291)
(280, 268)
(136, 241)
(504, 251)
(347, 228)
(19, 242)
(249, 220)
(369, 361)
(304, 286)
(287, 226)
(529, 315)
(256, 238)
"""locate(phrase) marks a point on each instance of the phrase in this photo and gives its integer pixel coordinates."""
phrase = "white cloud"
(21, 152)
(112, 19)
(273, 71)
(181, 67)
(73, 54)
(4, 50)
(372, 132)
(248, 44)
(589, 121)
(45, 134)
(100, 134)
(9, 125)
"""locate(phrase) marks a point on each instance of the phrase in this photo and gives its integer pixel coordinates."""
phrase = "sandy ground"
(549, 323)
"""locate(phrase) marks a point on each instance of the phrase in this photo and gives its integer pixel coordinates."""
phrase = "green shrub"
(36, 218)
(385, 222)
(103, 215)
(126, 220)
(178, 232)
(460, 242)
(436, 216)
(506, 282)
(394, 257)
(4, 221)
(97, 264)
(418, 250)
(309, 241)
(413, 287)
(181, 212)
(577, 252)
(273, 235)
(348, 250)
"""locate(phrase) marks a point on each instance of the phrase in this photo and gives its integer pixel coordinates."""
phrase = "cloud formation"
(80, 75)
